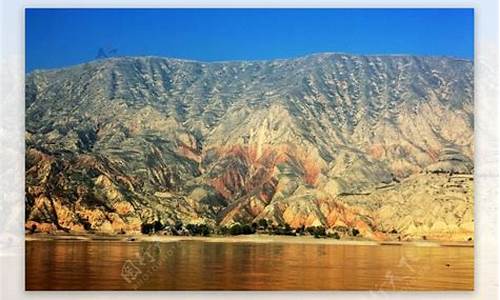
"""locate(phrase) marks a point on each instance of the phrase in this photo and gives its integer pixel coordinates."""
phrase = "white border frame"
(12, 149)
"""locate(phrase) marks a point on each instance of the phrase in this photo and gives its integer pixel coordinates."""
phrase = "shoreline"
(254, 238)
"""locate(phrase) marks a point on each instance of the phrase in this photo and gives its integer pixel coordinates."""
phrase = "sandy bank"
(255, 238)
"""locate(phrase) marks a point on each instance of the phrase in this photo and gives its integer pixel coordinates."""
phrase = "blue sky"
(62, 37)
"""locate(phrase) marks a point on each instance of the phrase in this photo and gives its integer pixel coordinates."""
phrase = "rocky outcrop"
(453, 162)
(342, 141)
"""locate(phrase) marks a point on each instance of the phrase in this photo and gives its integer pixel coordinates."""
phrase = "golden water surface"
(202, 265)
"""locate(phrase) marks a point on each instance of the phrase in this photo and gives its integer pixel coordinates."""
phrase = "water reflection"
(196, 265)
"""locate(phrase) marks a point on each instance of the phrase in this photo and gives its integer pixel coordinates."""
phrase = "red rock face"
(243, 172)
(311, 171)
(376, 151)
(433, 154)
(189, 153)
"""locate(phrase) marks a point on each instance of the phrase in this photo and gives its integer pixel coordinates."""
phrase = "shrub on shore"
(199, 229)
(282, 229)
(246, 229)
(149, 228)
(237, 229)
(317, 231)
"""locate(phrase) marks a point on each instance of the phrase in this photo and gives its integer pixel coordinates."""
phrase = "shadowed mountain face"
(378, 143)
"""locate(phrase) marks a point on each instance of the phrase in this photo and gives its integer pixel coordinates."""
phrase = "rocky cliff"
(383, 144)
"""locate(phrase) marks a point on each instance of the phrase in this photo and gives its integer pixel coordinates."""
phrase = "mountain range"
(380, 144)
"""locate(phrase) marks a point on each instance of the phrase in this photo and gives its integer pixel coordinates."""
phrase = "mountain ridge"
(314, 54)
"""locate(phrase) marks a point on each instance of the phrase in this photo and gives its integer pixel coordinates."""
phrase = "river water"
(205, 265)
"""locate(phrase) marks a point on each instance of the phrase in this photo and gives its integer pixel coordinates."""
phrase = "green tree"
(355, 232)
(301, 229)
(254, 226)
(235, 229)
(335, 235)
(263, 223)
(192, 228)
(247, 229)
(223, 230)
(204, 230)
(178, 225)
(317, 231)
